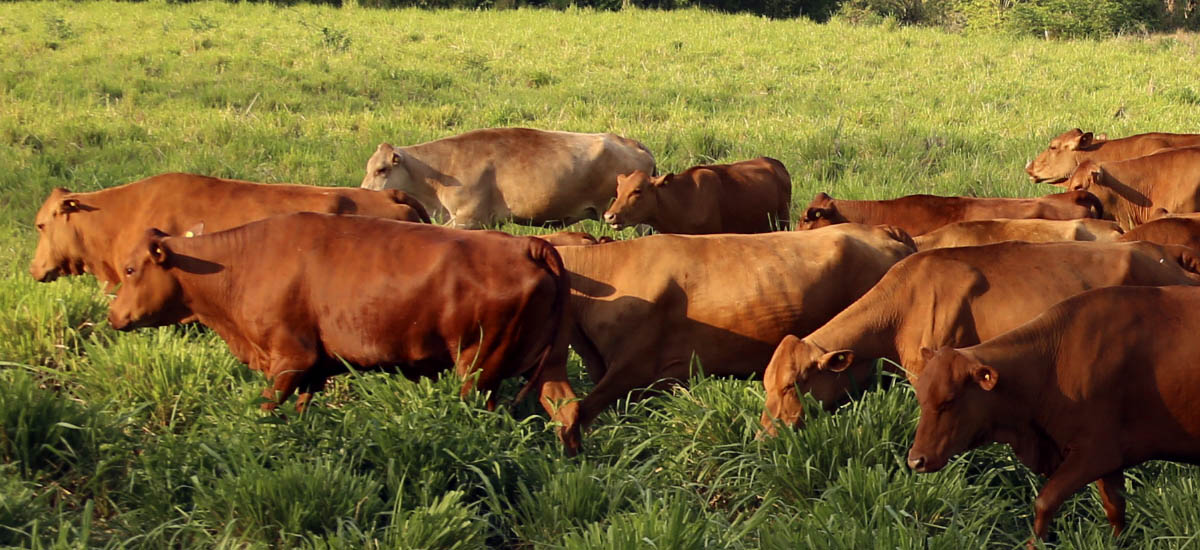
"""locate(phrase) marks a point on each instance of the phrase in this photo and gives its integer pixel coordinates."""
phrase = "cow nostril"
(916, 463)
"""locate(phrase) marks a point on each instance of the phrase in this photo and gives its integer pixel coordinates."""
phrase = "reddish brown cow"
(1138, 190)
(953, 297)
(1175, 229)
(645, 311)
(980, 232)
(752, 196)
(920, 214)
(1099, 383)
(573, 238)
(294, 296)
(93, 232)
(1071, 148)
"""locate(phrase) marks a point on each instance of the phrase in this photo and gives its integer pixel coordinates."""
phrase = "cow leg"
(286, 370)
(1081, 466)
(557, 397)
(608, 391)
(1111, 487)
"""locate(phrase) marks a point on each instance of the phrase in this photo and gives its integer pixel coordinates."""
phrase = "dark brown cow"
(953, 297)
(573, 238)
(1071, 148)
(94, 232)
(752, 196)
(1175, 229)
(294, 296)
(1138, 190)
(920, 214)
(980, 232)
(644, 309)
(1099, 383)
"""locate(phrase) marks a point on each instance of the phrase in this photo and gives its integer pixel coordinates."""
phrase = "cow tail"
(1091, 201)
(400, 197)
(900, 235)
(546, 255)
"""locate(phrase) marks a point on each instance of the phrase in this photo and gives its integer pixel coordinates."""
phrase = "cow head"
(150, 294)
(820, 212)
(386, 170)
(957, 403)
(60, 247)
(1055, 164)
(636, 199)
(799, 367)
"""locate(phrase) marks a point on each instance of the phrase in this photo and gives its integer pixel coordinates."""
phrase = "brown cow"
(1069, 149)
(953, 297)
(295, 296)
(644, 308)
(1136, 191)
(920, 214)
(93, 232)
(1177, 229)
(752, 196)
(1099, 383)
(573, 238)
(980, 232)
(488, 176)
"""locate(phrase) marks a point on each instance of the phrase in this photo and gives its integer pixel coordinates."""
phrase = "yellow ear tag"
(841, 357)
(158, 250)
(189, 234)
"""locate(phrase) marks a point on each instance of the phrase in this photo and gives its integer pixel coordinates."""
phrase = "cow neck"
(1133, 205)
(210, 295)
(429, 182)
(1025, 359)
(868, 327)
(671, 213)
(95, 229)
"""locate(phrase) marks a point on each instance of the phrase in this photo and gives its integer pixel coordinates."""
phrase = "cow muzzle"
(120, 322)
(44, 275)
(920, 463)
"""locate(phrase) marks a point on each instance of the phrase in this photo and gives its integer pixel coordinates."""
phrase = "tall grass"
(152, 439)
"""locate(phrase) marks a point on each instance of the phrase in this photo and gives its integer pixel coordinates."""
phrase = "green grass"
(152, 439)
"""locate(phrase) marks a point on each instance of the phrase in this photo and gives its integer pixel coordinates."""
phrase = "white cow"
(487, 176)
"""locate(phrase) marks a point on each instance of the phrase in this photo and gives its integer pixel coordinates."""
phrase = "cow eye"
(129, 271)
(381, 171)
(41, 226)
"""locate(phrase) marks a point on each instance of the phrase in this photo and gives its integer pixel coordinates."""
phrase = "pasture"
(154, 439)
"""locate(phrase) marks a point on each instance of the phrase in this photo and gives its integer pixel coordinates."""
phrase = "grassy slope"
(152, 438)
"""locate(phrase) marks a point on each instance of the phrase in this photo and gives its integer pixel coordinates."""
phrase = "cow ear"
(1095, 175)
(396, 158)
(927, 353)
(836, 361)
(815, 213)
(661, 181)
(156, 247)
(68, 206)
(1085, 141)
(985, 376)
(195, 230)
(158, 251)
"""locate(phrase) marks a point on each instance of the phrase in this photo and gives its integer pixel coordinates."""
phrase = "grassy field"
(152, 439)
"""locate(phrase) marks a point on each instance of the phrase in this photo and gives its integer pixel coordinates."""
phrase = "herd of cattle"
(1012, 317)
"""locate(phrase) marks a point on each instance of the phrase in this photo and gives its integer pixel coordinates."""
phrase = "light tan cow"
(643, 309)
(534, 177)
(979, 232)
(1070, 148)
